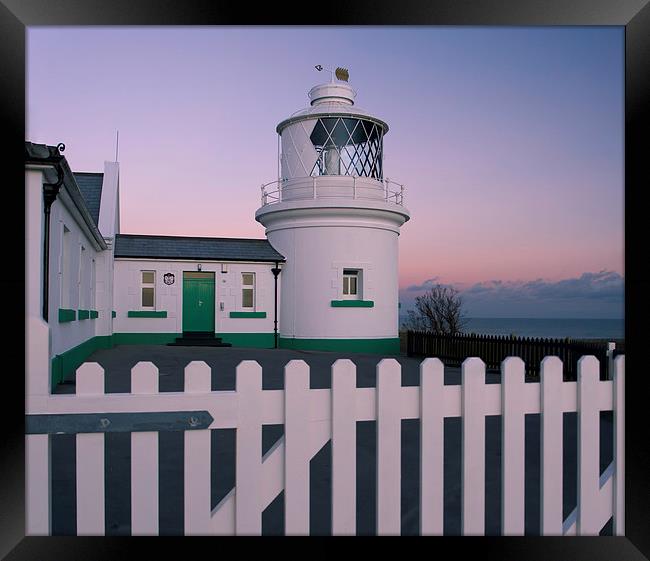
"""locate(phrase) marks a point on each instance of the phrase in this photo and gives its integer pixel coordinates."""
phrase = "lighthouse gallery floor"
(171, 361)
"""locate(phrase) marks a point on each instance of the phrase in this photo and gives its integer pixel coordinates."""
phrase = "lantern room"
(331, 137)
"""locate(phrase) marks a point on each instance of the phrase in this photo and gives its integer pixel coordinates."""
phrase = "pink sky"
(509, 140)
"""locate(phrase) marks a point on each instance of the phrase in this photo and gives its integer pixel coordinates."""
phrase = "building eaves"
(42, 154)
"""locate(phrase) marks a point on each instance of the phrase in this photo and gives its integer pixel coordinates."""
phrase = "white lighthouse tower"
(336, 219)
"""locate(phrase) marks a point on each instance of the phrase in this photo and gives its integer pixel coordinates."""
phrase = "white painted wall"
(104, 292)
(109, 226)
(37, 331)
(319, 239)
(127, 277)
(48, 339)
(33, 242)
(70, 334)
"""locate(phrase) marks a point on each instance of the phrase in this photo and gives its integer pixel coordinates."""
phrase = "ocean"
(557, 328)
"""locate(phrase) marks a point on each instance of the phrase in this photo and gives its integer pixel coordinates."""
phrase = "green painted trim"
(247, 314)
(65, 364)
(352, 304)
(83, 314)
(113, 314)
(146, 314)
(255, 340)
(372, 346)
(94, 314)
(144, 338)
(67, 315)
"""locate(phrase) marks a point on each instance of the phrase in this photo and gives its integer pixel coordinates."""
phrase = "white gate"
(313, 416)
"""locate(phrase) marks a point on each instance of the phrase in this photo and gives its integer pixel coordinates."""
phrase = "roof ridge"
(193, 237)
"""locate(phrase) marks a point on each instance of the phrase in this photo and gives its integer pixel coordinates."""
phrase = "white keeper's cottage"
(326, 277)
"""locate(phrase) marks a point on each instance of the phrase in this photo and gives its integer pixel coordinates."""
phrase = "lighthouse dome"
(330, 99)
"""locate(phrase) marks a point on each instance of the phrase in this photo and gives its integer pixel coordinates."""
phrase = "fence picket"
(38, 490)
(296, 442)
(513, 442)
(588, 523)
(431, 446)
(473, 447)
(144, 460)
(90, 460)
(389, 386)
(196, 459)
(248, 462)
(344, 443)
(551, 442)
(618, 374)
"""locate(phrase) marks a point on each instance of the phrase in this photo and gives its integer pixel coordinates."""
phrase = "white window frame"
(248, 287)
(81, 293)
(144, 285)
(65, 266)
(93, 280)
(345, 283)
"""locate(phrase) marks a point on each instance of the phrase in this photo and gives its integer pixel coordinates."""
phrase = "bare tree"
(438, 310)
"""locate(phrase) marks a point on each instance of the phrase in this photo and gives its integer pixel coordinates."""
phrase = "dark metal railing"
(493, 349)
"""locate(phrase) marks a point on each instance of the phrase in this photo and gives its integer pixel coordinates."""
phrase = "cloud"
(592, 294)
(603, 286)
(426, 285)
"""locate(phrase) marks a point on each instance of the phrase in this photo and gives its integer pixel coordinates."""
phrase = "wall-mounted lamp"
(198, 267)
(276, 271)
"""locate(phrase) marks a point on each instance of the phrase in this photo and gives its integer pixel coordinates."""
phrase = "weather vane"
(340, 73)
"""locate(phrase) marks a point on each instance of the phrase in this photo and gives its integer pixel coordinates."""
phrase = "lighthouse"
(336, 219)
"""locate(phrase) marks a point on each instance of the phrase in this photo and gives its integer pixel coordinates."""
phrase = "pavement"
(171, 362)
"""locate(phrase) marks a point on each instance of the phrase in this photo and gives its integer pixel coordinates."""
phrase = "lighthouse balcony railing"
(332, 186)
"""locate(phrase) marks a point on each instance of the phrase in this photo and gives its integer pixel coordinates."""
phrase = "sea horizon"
(555, 328)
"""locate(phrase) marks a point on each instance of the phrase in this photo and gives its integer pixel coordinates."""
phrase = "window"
(148, 289)
(65, 268)
(248, 290)
(351, 284)
(93, 280)
(81, 289)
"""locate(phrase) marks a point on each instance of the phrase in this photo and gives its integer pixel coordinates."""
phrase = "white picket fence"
(313, 416)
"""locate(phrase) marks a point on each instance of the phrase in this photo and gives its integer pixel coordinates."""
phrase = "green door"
(198, 301)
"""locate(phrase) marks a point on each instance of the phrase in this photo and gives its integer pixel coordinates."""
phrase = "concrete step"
(198, 340)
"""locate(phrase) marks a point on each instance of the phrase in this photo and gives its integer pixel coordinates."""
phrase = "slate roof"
(90, 185)
(52, 156)
(181, 247)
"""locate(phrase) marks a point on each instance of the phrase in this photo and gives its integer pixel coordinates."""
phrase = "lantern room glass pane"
(347, 146)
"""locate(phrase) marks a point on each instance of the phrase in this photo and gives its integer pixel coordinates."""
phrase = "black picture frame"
(16, 15)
